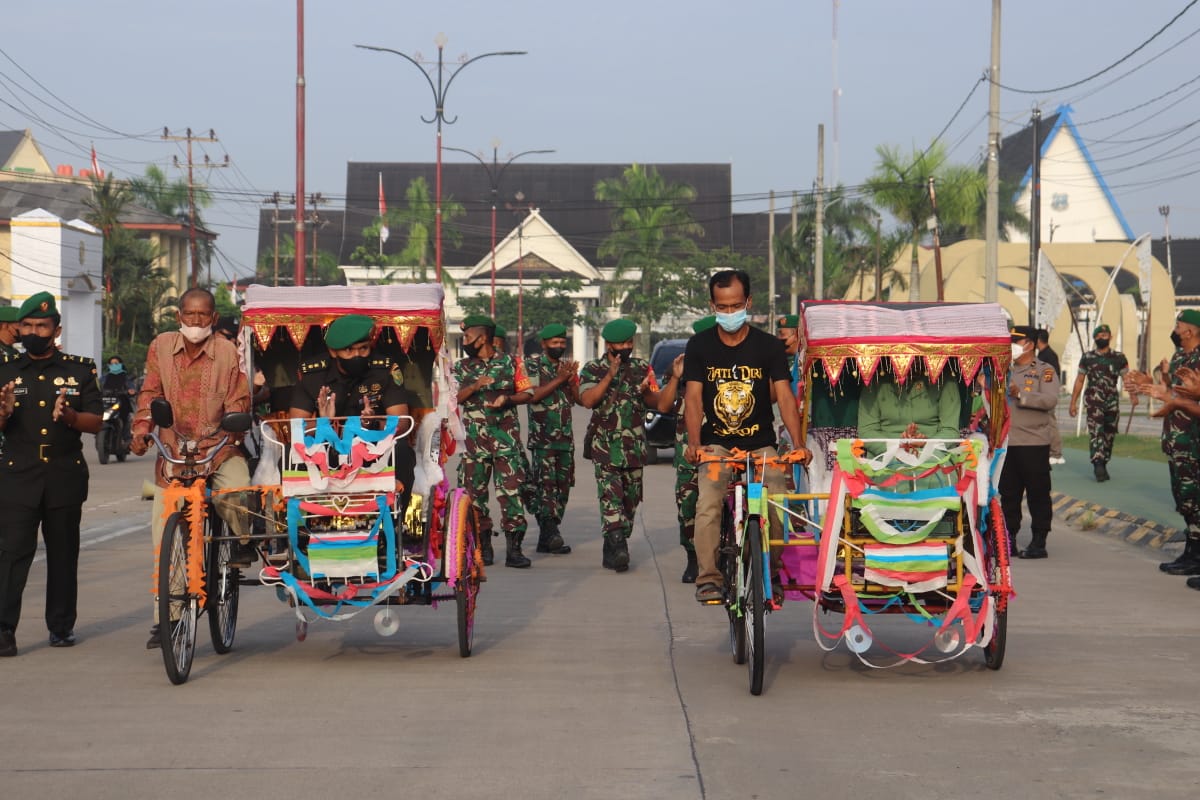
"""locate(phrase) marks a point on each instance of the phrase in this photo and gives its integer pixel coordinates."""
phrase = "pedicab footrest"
(343, 555)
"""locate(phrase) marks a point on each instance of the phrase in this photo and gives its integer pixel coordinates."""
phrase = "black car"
(660, 428)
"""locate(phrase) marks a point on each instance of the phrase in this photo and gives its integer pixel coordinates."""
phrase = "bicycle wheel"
(221, 584)
(177, 609)
(102, 437)
(727, 556)
(463, 538)
(753, 604)
(993, 651)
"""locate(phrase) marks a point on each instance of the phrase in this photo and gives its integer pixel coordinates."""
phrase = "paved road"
(595, 685)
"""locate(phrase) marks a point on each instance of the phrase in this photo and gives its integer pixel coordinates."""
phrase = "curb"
(1118, 524)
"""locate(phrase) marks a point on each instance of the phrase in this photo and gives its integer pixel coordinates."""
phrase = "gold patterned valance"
(901, 356)
(299, 322)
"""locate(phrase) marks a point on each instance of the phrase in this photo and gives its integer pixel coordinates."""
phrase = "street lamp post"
(439, 89)
(1166, 215)
(495, 171)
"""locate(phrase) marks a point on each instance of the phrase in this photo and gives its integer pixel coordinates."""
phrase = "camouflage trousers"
(620, 493)
(474, 475)
(551, 476)
(1185, 486)
(686, 492)
(1102, 419)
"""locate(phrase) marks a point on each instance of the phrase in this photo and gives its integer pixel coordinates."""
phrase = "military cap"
(1099, 329)
(348, 330)
(1191, 316)
(618, 331)
(789, 321)
(1020, 332)
(478, 321)
(9, 314)
(704, 323)
(552, 331)
(38, 306)
(500, 332)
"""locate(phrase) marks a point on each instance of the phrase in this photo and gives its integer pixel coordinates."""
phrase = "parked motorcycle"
(113, 438)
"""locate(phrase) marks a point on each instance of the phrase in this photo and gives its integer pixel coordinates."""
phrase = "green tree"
(170, 198)
(900, 185)
(326, 272)
(418, 218)
(1011, 218)
(549, 301)
(653, 240)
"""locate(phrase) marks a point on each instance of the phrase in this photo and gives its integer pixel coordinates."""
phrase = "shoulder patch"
(397, 375)
(314, 365)
(1048, 374)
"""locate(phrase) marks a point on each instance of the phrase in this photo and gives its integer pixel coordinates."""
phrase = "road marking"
(84, 543)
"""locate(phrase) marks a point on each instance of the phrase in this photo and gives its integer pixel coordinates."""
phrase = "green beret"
(500, 332)
(789, 321)
(1099, 329)
(9, 314)
(1021, 332)
(704, 323)
(38, 306)
(1191, 316)
(348, 330)
(618, 331)
(553, 331)
(478, 321)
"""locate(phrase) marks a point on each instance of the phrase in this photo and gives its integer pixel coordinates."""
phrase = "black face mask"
(556, 352)
(472, 349)
(354, 367)
(1101, 343)
(624, 355)
(1176, 339)
(36, 345)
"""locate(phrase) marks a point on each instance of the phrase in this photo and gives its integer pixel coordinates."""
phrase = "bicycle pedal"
(720, 602)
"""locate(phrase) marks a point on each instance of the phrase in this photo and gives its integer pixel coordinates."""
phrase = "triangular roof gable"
(11, 143)
(1062, 119)
(537, 237)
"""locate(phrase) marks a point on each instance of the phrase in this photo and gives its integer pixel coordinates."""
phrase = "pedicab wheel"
(221, 584)
(729, 567)
(753, 605)
(993, 651)
(464, 539)
(177, 609)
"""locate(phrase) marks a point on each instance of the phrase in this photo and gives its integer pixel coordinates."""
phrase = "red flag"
(383, 228)
(95, 164)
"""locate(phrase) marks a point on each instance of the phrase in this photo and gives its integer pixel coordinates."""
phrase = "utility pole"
(1166, 215)
(991, 270)
(191, 187)
(274, 200)
(315, 200)
(298, 215)
(819, 247)
(936, 230)
(795, 305)
(771, 262)
(878, 262)
(1035, 214)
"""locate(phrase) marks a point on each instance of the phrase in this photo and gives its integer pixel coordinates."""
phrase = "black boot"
(606, 553)
(1188, 562)
(616, 552)
(1100, 470)
(1194, 583)
(514, 557)
(550, 540)
(692, 568)
(485, 548)
(1037, 547)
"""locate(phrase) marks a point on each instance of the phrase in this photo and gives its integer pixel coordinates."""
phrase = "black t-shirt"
(736, 383)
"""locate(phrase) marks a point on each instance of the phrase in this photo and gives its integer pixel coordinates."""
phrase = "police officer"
(491, 385)
(47, 400)
(554, 383)
(351, 381)
(686, 487)
(619, 389)
(1033, 388)
(1101, 368)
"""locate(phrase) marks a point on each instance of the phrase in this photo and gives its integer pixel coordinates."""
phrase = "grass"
(1147, 448)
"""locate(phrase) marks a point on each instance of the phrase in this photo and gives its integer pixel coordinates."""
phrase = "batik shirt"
(619, 437)
(550, 419)
(491, 431)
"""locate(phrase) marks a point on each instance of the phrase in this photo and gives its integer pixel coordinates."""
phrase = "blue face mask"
(730, 323)
(116, 369)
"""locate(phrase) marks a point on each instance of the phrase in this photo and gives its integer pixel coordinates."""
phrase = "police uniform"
(1027, 462)
(43, 478)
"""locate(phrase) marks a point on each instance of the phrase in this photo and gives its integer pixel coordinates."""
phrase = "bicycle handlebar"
(186, 462)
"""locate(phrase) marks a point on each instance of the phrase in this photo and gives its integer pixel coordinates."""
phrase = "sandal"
(709, 593)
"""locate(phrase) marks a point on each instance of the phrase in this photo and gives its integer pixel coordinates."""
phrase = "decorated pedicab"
(907, 527)
(339, 529)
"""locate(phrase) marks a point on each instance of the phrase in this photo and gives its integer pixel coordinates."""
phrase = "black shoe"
(1193, 583)
(65, 640)
(1033, 552)
(1100, 471)
(155, 640)
(1183, 566)
(620, 554)
(606, 556)
(485, 548)
(513, 556)
(692, 569)
(8, 644)
(551, 541)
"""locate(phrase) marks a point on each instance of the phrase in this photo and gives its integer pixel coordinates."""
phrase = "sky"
(744, 83)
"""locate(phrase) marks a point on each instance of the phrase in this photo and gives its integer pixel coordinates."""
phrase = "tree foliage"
(325, 274)
(542, 305)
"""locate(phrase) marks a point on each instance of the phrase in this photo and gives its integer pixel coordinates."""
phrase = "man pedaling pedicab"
(352, 382)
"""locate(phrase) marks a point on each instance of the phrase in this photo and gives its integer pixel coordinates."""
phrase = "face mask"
(1101, 344)
(472, 349)
(354, 367)
(556, 352)
(194, 333)
(116, 369)
(732, 322)
(1017, 351)
(1176, 339)
(624, 355)
(36, 345)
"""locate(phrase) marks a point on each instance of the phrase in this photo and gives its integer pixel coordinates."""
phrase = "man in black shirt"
(730, 371)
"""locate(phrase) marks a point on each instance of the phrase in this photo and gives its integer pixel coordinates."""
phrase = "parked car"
(660, 428)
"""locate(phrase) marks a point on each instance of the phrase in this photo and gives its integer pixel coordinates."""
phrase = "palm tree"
(419, 217)
(849, 234)
(652, 236)
(900, 184)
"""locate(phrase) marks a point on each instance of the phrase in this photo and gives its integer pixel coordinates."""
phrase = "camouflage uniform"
(1179, 440)
(686, 488)
(618, 443)
(1101, 400)
(551, 446)
(493, 442)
